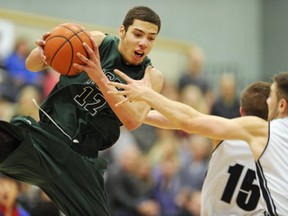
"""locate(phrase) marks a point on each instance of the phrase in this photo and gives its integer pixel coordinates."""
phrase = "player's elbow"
(28, 65)
(132, 125)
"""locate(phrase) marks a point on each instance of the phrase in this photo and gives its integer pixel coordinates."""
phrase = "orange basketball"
(62, 46)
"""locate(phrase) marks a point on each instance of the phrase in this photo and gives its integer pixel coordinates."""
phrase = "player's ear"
(121, 31)
(283, 105)
(241, 110)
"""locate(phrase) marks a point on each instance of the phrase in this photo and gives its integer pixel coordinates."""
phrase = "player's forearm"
(156, 119)
(34, 61)
(176, 113)
(127, 113)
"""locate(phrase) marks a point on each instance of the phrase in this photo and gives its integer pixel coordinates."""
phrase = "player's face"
(272, 102)
(137, 41)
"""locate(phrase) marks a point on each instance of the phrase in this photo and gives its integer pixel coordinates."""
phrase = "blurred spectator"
(166, 143)
(15, 66)
(125, 141)
(145, 136)
(7, 90)
(227, 103)
(170, 91)
(25, 195)
(167, 183)
(195, 162)
(9, 205)
(51, 77)
(44, 206)
(7, 109)
(127, 196)
(24, 103)
(191, 203)
(194, 73)
(192, 96)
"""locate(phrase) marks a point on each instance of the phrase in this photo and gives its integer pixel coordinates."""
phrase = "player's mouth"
(139, 54)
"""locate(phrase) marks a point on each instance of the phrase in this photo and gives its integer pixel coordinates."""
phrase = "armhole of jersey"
(218, 143)
(267, 143)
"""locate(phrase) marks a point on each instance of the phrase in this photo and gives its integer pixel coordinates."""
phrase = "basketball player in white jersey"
(230, 186)
(268, 141)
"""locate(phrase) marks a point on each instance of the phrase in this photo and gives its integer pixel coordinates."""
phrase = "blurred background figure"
(167, 183)
(14, 64)
(9, 190)
(129, 186)
(7, 109)
(227, 103)
(43, 206)
(24, 102)
(194, 73)
(193, 96)
(50, 78)
(195, 159)
(190, 203)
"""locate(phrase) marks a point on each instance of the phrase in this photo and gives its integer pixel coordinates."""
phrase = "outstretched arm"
(182, 116)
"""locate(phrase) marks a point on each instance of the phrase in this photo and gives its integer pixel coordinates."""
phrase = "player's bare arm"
(36, 61)
(182, 116)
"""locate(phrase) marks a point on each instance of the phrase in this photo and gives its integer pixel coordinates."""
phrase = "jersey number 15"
(249, 193)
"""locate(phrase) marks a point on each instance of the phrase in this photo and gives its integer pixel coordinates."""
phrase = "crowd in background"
(151, 171)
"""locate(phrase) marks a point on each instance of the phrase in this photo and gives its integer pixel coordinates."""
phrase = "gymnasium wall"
(230, 32)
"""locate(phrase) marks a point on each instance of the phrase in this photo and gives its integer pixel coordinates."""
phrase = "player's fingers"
(122, 75)
(121, 102)
(82, 58)
(45, 35)
(95, 47)
(117, 92)
(40, 43)
(89, 50)
(80, 67)
(93, 42)
(116, 84)
(44, 59)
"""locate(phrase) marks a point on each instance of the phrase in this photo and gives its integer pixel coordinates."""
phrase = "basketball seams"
(76, 33)
(60, 47)
(61, 55)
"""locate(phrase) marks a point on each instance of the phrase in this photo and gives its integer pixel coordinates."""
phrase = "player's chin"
(136, 60)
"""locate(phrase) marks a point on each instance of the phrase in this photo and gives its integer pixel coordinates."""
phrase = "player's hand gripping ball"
(62, 46)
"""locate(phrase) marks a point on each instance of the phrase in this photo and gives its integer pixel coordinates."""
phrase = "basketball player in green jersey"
(78, 118)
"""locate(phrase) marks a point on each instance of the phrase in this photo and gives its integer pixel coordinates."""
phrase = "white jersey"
(231, 187)
(272, 168)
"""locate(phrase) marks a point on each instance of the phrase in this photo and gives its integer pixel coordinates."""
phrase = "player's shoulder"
(157, 79)
(98, 36)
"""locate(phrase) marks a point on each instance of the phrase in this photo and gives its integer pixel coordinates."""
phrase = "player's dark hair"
(142, 13)
(281, 80)
(253, 99)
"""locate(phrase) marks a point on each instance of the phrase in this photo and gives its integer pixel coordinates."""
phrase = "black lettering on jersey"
(248, 196)
(91, 98)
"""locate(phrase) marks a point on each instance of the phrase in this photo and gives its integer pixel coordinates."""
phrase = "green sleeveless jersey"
(78, 107)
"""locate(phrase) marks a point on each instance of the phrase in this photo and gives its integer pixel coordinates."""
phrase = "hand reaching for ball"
(92, 63)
